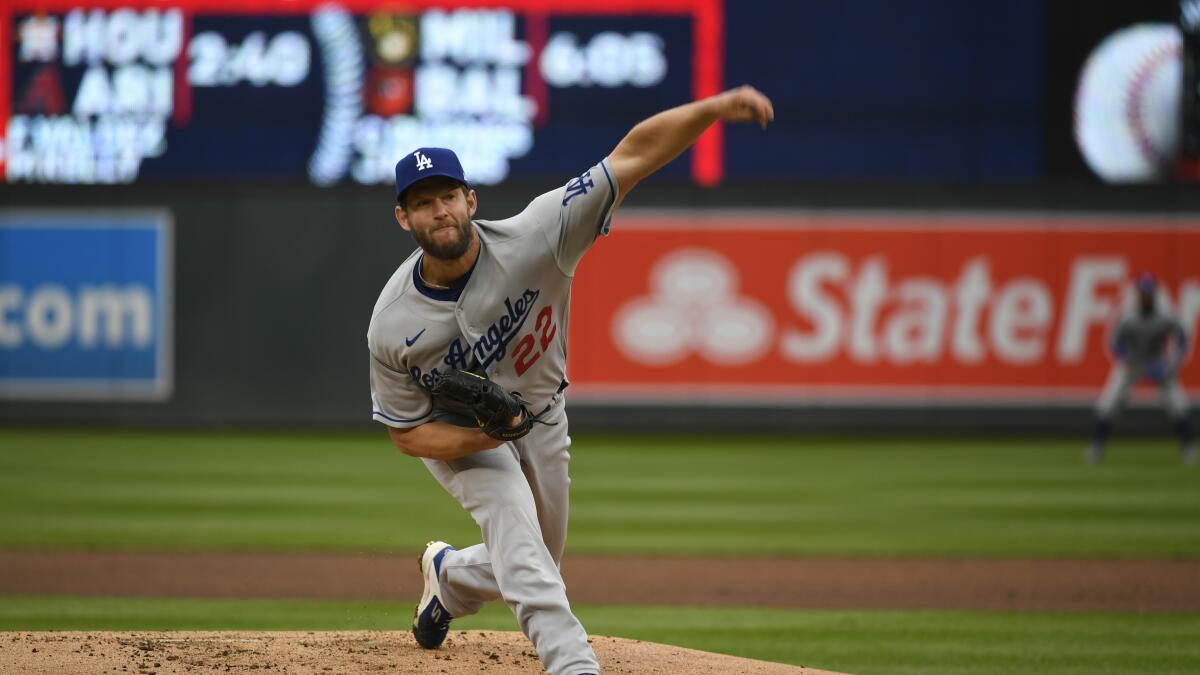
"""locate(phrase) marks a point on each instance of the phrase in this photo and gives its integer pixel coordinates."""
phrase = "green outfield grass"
(727, 495)
(860, 642)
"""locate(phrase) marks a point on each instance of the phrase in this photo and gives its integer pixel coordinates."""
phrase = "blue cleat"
(431, 621)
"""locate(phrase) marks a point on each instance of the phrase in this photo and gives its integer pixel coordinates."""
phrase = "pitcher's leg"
(472, 584)
(545, 470)
(513, 560)
(545, 459)
(545, 464)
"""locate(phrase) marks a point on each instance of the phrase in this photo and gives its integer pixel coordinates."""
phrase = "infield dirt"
(326, 653)
(1080, 585)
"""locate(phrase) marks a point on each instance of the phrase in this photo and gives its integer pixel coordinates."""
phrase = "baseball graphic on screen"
(1127, 105)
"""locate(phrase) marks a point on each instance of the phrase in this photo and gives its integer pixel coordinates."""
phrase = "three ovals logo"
(693, 307)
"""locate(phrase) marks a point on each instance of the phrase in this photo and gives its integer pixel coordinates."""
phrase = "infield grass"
(860, 642)
(720, 495)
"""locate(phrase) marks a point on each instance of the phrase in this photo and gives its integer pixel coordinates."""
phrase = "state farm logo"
(835, 307)
(693, 308)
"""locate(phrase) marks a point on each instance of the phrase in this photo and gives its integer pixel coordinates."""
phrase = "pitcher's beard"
(446, 250)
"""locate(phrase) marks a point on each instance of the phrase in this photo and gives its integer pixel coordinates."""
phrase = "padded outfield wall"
(746, 308)
(861, 265)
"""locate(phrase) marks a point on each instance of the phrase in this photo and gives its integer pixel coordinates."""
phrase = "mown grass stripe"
(862, 642)
(812, 496)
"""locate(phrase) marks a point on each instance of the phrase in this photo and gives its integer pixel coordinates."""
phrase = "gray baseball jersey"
(1142, 339)
(506, 317)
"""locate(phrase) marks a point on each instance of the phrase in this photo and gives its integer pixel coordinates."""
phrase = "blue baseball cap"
(1146, 283)
(425, 163)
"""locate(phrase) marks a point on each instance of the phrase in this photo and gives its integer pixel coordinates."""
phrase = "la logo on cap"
(423, 162)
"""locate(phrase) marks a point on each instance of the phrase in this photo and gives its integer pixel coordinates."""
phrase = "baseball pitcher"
(1147, 343)
(468, 368)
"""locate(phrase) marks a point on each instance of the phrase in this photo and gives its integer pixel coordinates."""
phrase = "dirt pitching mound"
(346, 653)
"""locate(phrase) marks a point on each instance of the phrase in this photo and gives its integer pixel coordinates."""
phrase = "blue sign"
(86, 304)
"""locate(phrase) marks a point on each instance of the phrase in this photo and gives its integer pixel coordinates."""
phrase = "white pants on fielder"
(518, 495)
(1121, 380)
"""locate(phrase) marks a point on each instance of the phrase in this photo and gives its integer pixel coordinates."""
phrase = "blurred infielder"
(492, 298)
(1148, 342)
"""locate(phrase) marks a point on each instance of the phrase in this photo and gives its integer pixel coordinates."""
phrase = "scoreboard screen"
(114, 92)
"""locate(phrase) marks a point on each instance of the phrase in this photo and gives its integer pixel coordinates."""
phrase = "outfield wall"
(847, 309)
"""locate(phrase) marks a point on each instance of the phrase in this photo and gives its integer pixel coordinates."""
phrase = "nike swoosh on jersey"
(413, 340)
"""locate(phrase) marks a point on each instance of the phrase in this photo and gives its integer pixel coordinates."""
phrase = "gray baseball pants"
(518, 495)
(1121, 380)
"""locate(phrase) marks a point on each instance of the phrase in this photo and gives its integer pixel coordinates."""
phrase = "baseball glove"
(478, 398)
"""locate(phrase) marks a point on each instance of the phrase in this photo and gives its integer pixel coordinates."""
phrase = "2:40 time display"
(283, 60)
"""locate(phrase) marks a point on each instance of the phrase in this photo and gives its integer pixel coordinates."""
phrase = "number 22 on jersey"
(530, 348)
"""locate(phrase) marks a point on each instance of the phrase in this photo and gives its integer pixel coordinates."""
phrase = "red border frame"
(708, 41)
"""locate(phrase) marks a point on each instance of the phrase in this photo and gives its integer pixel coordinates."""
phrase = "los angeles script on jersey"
(491, 346)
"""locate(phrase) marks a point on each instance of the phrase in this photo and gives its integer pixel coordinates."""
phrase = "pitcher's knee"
(513, 515)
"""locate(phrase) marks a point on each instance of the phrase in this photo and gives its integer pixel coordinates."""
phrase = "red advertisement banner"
(897, 309)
